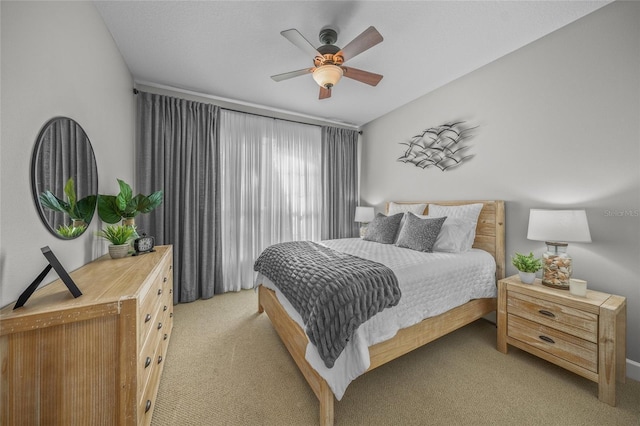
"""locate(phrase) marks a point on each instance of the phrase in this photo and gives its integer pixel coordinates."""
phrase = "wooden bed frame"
(489, 237)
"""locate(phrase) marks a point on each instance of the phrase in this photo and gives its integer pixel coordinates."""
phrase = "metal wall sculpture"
(441, 147)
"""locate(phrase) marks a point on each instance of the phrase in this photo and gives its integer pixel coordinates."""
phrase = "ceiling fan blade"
(367, 39)
(362, 76)
(298, 39)
(324, 93)
(291, 74)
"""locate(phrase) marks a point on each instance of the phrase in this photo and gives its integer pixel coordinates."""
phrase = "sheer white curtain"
(270, 189)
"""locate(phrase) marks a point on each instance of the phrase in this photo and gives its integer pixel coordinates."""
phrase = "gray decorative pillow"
(383, 229)
(419, 234)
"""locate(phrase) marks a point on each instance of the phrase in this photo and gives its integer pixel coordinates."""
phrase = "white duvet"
(431, 283)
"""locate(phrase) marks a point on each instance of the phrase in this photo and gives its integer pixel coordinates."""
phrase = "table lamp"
(557, 228)
(364, 215)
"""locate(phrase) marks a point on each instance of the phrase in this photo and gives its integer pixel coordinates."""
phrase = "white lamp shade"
(364, 214)
(327, 75)
(558, 226)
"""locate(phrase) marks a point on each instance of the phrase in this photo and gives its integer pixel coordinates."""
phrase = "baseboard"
(633, 370)
(491, 317)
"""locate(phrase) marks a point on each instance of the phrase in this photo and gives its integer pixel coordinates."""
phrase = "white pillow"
(456, 235)
(417, 209)
(468, 212)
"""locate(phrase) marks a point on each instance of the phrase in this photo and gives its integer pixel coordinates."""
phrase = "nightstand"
(585, 335)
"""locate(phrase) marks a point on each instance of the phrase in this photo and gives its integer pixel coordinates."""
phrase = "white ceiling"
(229, 49)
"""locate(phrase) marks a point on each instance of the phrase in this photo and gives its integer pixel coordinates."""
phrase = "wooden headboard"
(490, 229)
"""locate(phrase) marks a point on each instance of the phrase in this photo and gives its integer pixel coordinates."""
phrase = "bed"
(489, 238)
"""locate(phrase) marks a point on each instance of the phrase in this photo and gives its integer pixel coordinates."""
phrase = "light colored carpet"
(227, 366)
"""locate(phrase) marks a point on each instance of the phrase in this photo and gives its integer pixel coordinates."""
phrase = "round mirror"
(64, 178)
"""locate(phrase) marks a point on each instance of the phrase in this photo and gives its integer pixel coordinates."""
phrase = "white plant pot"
(527, 277)
(119, 251)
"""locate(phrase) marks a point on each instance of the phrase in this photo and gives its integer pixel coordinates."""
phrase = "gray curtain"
(177, 151)
(340, 182)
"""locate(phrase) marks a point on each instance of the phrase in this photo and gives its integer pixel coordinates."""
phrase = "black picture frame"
(62, 273)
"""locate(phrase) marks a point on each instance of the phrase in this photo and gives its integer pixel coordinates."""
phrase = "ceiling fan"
(328, 59)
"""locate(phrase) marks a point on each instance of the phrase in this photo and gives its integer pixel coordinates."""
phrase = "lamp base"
(558, 286)
(556, 268)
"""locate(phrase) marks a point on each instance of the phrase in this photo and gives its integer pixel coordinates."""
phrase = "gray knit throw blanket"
(334, 292)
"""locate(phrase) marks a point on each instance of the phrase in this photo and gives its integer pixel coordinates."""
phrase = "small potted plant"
(124, 206)
(119, 236)
(527, 266)
(70, 231)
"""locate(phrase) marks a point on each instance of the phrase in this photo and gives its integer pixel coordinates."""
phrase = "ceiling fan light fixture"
(328, 75)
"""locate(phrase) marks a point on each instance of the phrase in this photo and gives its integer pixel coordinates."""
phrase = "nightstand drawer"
(563, 318)
(557, 343)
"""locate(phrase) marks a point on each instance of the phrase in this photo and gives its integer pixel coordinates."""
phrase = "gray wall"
(58, 59)
(559, 128)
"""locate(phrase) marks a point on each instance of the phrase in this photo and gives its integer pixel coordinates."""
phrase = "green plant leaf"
(152, 201)
(526, 263)
(70, 191)
(108, 209)
(124, 196)
(133, 208)
(85, 208)
(68, 231)
(117, 234)
(124, 205)
(50, 201)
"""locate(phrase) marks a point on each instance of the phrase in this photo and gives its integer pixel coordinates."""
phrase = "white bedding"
(431, 283)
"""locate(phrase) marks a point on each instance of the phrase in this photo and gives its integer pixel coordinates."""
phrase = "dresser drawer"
(148, 355)
(151, 303)
(147, 398)
(573, 349)
(158, 299)
(563, 318)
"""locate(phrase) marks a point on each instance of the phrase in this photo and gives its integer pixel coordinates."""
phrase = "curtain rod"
(135, 92)
(277, 118)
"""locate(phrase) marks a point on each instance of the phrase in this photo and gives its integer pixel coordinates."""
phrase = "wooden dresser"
(93, 360)
(585, 335)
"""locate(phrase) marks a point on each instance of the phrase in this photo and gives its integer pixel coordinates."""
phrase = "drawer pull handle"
(165, 336)
(547, 339)
(147, 406)
(159, 359)
(547, 313)
(159, 325)
(171, 315)
(164, 280)
(147, 318)
(147, 362)
(165, 308)
(159, 291)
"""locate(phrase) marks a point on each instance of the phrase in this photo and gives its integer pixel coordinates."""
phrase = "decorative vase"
(527, 277)
(79, 223)
(556, 268)
(118, 251)
(129, 221)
